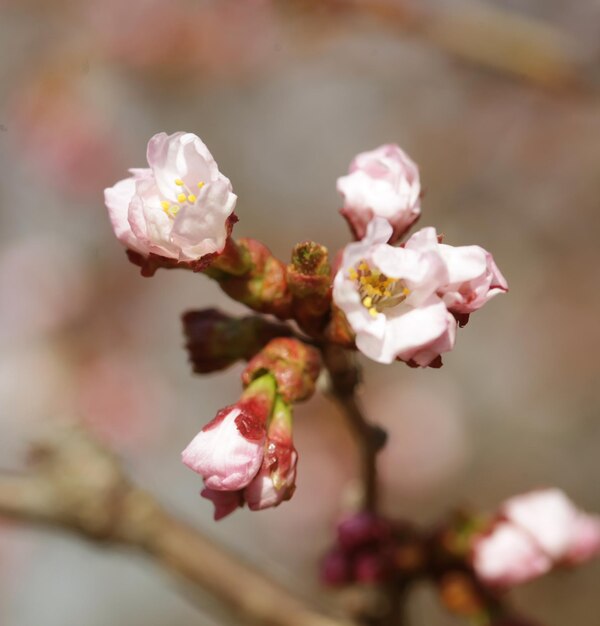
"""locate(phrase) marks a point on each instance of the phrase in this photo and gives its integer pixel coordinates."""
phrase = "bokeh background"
(498, 104)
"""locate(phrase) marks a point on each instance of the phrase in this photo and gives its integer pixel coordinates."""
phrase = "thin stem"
(344, 377)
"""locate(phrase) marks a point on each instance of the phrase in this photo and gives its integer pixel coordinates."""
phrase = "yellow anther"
(405, 291)
(179, 182)
(174, 210)
(373, 312)
(368, 302)
(191, 198)
(181, 197)
(352, 273)
(200, 185)
(165, 205)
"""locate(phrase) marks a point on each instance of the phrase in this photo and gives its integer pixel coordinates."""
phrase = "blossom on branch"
(534, 533)
(228, 451)
(383, 182)
(180, 208)
(389, 296)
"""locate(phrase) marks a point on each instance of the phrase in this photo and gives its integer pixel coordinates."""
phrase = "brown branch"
(486, 35)
(78, 486)
(344, 377)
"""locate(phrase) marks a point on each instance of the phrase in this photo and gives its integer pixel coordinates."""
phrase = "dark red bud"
(335, 569)
(362, 529)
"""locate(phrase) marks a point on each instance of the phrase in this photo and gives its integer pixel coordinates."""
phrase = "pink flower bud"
(536, 532)
(381, 183)
(508, 556)
(564, 532)
(228, 451)
(389, 297)
(276, 480)
(179, 207)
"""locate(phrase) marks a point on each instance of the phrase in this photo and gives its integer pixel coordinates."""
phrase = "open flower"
(383, 182)
(389, 297)
(177, 208)
(228, 451)
(473, 278)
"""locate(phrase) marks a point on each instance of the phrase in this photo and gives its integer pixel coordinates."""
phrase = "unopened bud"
(294, 364)
(216, 340)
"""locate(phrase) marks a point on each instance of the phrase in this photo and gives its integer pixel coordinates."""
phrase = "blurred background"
(499, 105)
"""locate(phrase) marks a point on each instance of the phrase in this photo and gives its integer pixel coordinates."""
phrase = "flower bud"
(381, 183)
(309, 281)
(228, 451)
(276, 480)
(216, 340)
(362, 529)
(294, 364)
(336, 568)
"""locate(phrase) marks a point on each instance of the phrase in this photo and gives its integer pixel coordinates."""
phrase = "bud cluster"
(370, 550)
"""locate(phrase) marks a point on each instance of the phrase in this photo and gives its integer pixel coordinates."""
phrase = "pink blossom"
(276, 480)
(508, 557)
(272, 487)
(535, 532)
(474, 278)
(383, 182)
(177, 208)
(389, 296)
(228, 451)
(560, 529)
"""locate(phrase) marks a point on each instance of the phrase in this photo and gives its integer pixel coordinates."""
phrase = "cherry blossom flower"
(179, 207)
(509, 557)
(383, 182)
(389, 296)
(276, 480)
(472, 275)
(535, 532)
(474, 278)
(561, 530)
(228, 451)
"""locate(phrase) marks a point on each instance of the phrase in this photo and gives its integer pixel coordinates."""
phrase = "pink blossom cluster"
(532, 534)
(245, 458)
(404, 302)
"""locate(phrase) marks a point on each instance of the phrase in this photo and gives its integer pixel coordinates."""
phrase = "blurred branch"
(77, 485)
(486, 35)
(344, 377)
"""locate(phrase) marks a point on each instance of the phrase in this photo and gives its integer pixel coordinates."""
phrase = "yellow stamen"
(405, 291)
(174, 210)
(181, 197)
(200, 185)
(353, 274)
(179, 182)
(165, 205)
(368, 302)
(191, 198)
(373, 312)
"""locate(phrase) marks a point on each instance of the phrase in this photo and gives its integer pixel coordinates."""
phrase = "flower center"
(376, 290)
(184, 197)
